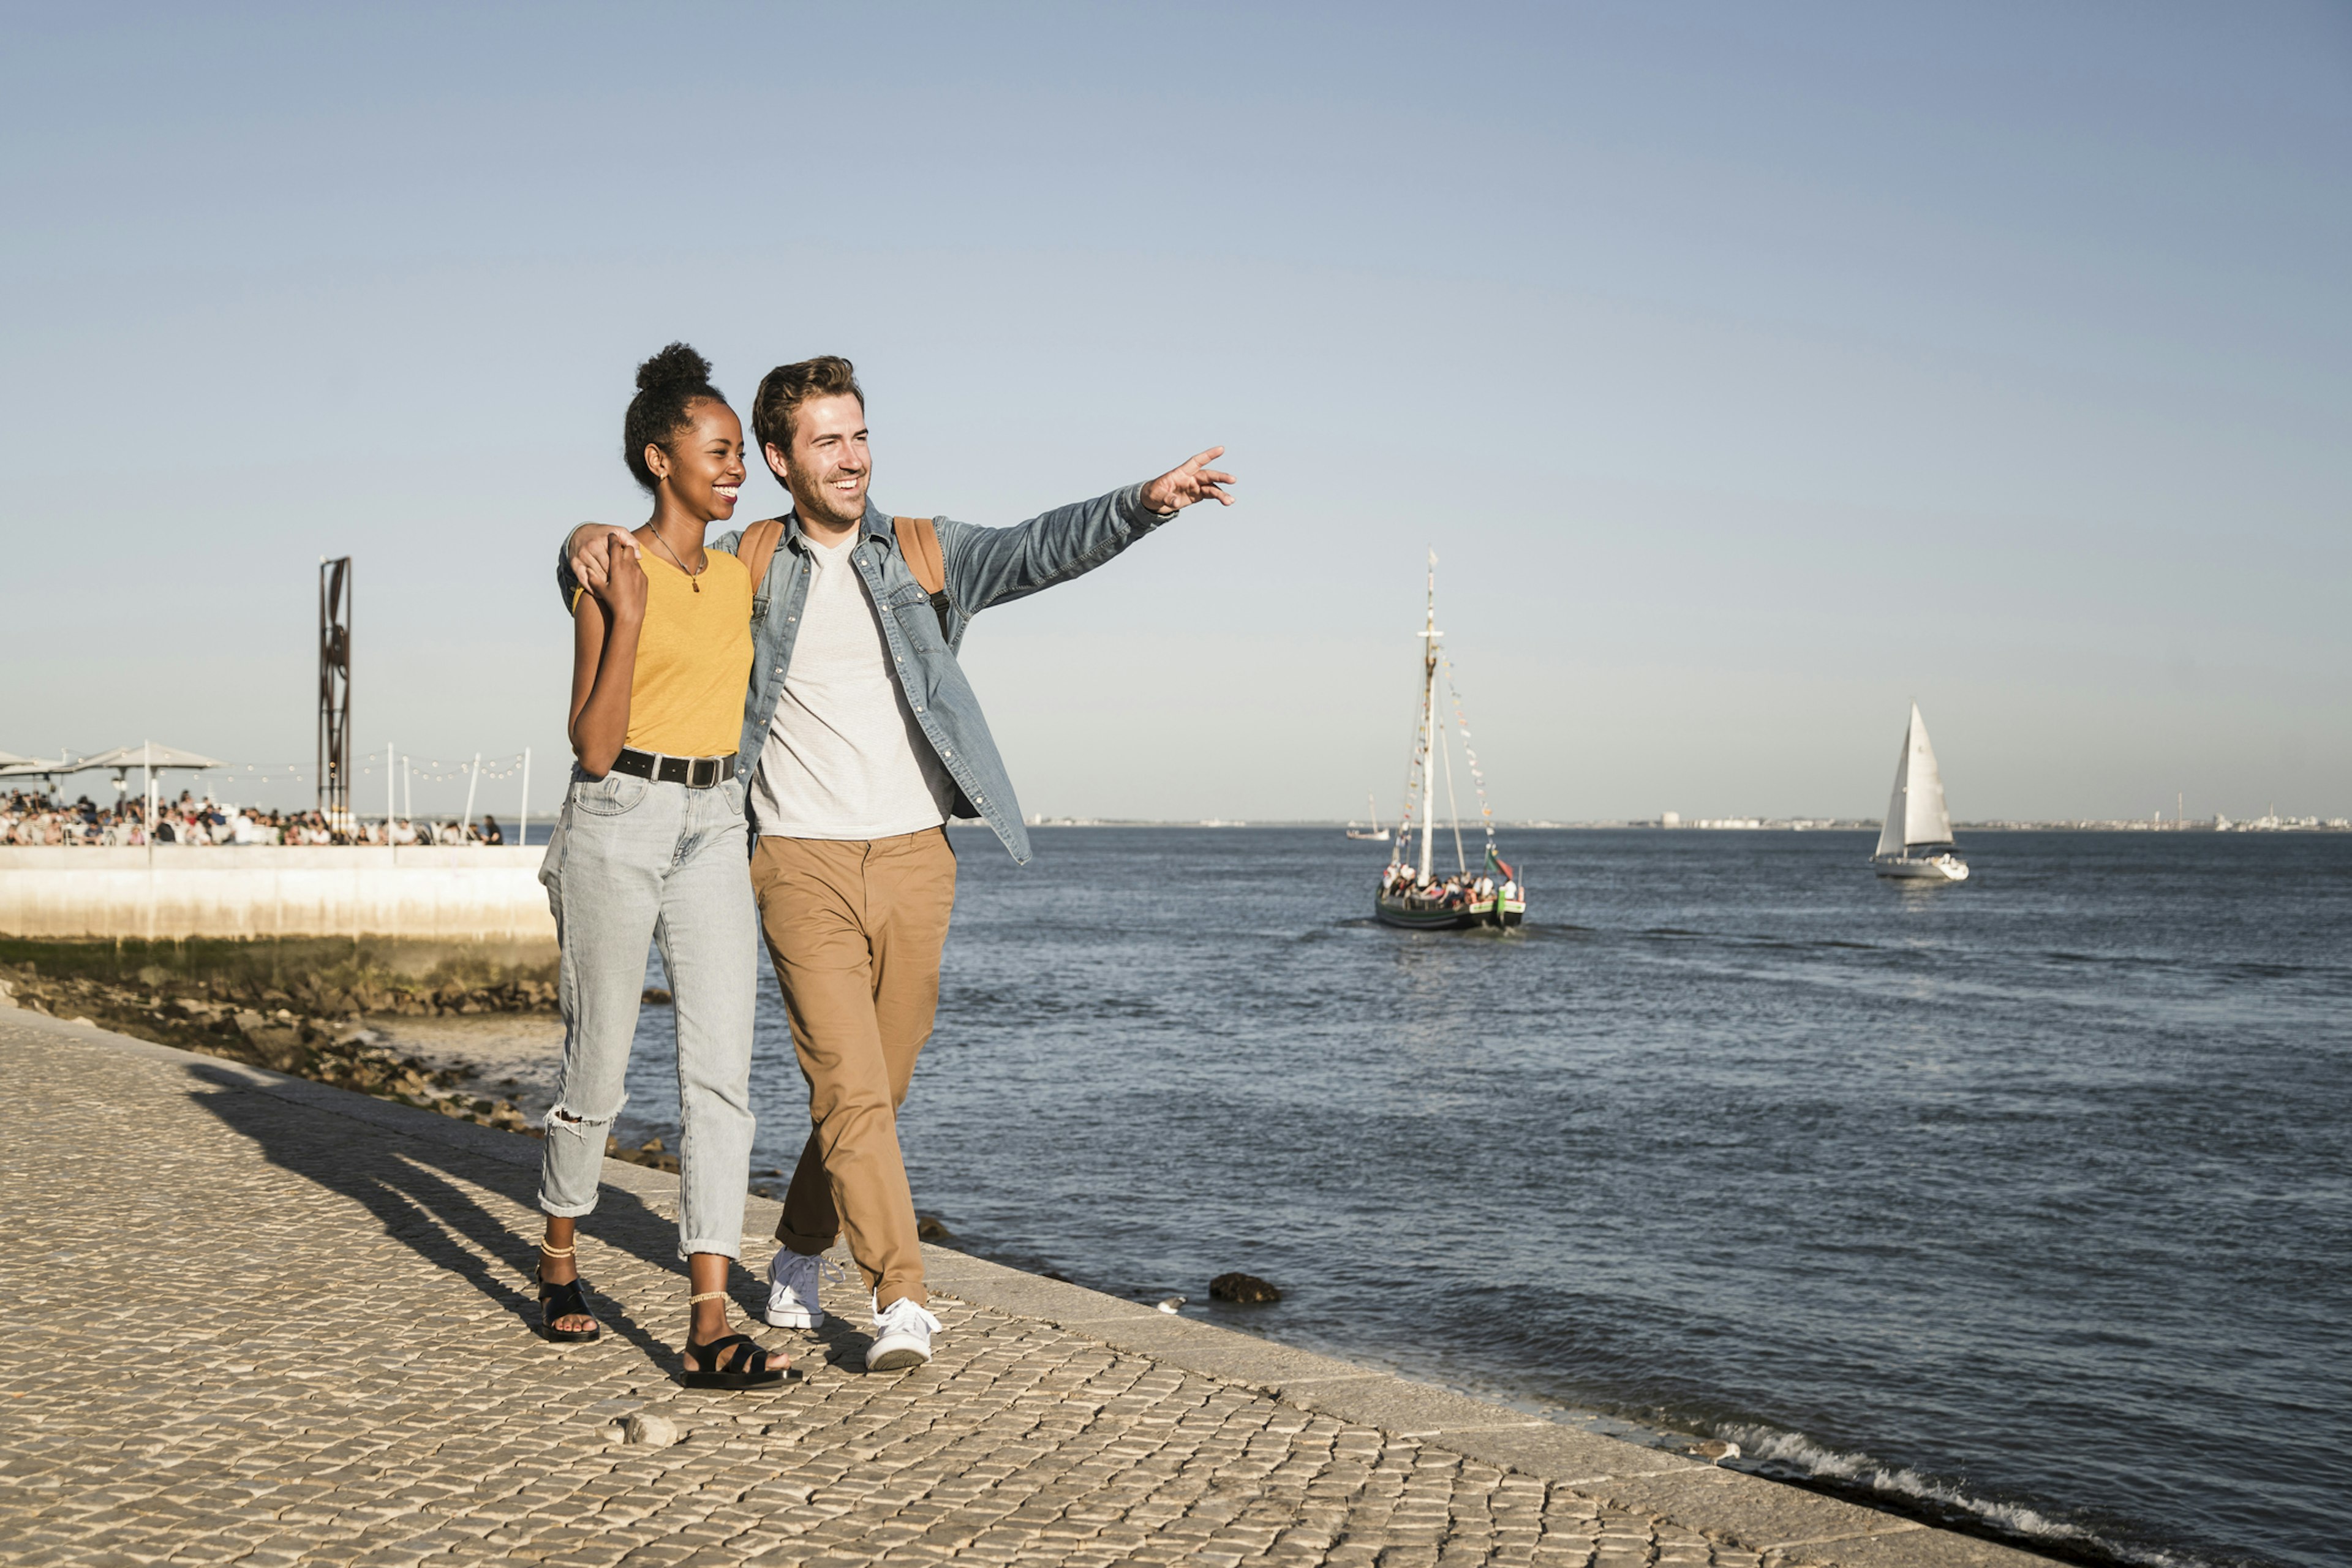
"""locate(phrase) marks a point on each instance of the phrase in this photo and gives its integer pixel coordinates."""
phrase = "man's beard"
(831, 507)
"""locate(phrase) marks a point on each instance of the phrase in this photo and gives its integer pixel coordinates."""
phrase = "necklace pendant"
(697, 583)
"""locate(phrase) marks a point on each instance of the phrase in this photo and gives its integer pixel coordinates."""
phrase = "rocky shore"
(308, 1028)
(326, 977)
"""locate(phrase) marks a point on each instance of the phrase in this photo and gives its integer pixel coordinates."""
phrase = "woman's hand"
(606, 624)
(587, 547)
(621, 587)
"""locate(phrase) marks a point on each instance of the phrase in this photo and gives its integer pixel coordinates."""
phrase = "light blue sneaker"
(793, 1279)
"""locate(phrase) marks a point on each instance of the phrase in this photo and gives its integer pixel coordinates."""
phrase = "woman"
(650, 847)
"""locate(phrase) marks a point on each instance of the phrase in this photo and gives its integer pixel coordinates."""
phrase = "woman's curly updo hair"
(668, 384)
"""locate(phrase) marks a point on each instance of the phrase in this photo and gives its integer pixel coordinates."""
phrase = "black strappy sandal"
(733, 1362)
(565, 1301)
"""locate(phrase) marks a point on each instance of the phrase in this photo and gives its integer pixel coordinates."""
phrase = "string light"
(426, 770)
(1477, 779)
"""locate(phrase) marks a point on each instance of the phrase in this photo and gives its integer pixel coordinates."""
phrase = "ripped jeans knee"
(573, 1158)
(561, 1118)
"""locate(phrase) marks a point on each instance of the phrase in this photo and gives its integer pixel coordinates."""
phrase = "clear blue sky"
(1755, 370)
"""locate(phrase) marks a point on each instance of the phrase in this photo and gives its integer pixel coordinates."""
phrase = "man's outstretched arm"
(993, 565)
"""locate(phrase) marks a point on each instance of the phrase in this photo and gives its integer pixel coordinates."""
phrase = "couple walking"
(772, 732)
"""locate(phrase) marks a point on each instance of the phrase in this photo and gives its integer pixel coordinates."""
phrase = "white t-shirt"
(845, 757)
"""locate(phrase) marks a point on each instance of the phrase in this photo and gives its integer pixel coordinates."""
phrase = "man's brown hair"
(786, 387)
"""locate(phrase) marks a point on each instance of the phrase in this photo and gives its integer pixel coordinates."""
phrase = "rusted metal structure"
(335, 691)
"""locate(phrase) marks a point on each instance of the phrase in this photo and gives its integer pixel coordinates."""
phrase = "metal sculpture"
(335, 692)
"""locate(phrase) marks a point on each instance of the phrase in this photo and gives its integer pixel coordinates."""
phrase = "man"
(862, 740)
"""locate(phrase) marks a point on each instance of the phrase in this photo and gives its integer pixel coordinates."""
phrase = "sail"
(1890, 837)
(1924, 818)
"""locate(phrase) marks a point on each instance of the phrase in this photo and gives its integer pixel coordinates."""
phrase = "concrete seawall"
(172, 893)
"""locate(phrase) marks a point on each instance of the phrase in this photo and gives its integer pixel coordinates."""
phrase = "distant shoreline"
(1743, 824)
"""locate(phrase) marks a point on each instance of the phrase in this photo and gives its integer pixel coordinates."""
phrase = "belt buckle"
(701, 773)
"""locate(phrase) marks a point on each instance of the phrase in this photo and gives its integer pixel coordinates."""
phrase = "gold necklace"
(693, 577)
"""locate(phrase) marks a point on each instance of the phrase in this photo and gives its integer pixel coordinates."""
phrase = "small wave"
(1769, 1449)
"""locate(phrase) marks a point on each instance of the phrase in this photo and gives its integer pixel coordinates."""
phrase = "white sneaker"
(792, 1289)
(902, 1336)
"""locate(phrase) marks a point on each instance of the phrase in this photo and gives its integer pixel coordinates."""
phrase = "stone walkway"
(258, 1321)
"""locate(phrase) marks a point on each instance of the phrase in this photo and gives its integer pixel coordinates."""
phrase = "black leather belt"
(694, 773)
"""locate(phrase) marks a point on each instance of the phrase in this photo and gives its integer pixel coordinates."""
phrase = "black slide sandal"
(735, 1364)
(565, 1301)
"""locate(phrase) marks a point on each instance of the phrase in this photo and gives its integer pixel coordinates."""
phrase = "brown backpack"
(919, 542)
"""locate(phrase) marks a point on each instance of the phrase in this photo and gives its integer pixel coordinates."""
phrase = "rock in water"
(656, 997)
(650, 1431)
(1246, 1288)
(930, 1227)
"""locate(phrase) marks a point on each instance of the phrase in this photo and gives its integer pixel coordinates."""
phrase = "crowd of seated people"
(1475, 889)
(30, 818)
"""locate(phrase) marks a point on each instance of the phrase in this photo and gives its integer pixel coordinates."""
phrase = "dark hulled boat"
(1492, 899)
(1410, 894)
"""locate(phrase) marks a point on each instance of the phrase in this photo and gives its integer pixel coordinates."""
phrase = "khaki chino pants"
(855, 929)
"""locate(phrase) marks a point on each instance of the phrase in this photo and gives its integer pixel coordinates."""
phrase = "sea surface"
(2023, 1205)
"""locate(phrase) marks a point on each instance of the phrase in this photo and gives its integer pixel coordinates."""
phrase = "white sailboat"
(1376, 833)
(1917, 841)
(1410, 894)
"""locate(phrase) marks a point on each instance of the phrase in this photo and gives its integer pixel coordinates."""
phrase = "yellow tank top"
(694, 658)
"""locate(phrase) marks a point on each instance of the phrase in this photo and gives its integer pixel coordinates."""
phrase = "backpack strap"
(919, 543)
(758, 547)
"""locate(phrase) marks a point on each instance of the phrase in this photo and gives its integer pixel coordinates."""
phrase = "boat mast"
(1431, 736)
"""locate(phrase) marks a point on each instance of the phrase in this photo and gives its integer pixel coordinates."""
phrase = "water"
(2024, 1203)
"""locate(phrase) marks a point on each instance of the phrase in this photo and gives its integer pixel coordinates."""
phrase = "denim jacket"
(985, 566)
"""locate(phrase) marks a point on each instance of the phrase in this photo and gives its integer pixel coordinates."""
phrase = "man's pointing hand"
(1179, 487)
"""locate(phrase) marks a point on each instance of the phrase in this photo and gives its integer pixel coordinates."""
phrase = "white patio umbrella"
(149, 754)
(150, 759)
(17, 767)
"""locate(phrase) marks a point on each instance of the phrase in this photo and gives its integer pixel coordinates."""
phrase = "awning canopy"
(147, 754)
(32, 767)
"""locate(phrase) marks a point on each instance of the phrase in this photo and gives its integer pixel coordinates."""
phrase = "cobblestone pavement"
(246, 1328)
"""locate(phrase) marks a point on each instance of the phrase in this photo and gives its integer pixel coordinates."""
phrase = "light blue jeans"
(633, 861)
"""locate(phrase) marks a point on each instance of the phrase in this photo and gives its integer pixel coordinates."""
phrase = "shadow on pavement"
(414, 1187)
